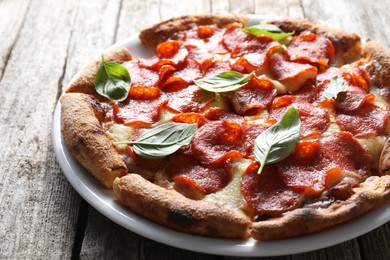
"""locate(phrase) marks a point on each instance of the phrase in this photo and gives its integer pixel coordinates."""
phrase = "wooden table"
(43, 43)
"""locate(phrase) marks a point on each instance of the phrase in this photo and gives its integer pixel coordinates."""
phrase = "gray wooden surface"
(43, 43)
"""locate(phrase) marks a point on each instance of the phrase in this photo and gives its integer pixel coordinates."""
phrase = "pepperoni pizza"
(268, 131)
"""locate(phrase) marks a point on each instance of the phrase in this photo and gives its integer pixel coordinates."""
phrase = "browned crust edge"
(377, 58)
(85, 81)
(86, 139)
(347, 45)
(372, 193)
(384, 160)
(173, 210)
(163, 31)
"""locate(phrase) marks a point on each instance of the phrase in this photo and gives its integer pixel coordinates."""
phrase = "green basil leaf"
(267, 29)
(336, 89)
(163, 140)
(112, 81)
(223, 82)
(278, 141)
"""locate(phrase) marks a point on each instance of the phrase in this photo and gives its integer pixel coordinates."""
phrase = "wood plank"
(12, 15)
(143, 14)
(375, 245)
(91, 34)
(106, 240)
(370, 21)
(39, 209)
(290, 8)
(345, 251)
(170, 9)
(224, 6)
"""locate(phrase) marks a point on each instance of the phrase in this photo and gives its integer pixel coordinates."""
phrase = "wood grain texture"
(12, 15)
(367, 20)
(39, 209)
(224, 6)
(290, 8)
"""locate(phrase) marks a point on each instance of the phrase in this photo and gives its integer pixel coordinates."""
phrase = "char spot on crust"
(181, 217)
(78, 141)
(118, 167)
(98, 131)
(99, 109)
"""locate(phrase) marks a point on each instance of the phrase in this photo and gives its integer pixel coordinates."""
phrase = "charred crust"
(181, 217)
(173, 210)
(100, 109)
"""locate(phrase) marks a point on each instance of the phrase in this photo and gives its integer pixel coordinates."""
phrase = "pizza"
(228, 130)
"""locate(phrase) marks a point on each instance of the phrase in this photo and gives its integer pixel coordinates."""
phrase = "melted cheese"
(231, 195)
(374, 146)
(119, 133)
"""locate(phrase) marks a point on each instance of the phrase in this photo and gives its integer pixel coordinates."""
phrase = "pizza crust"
(173, 210)
(86, 139)
(377, 58)
(85, 82)
(163, 31)
(372, 193)
(347, 45)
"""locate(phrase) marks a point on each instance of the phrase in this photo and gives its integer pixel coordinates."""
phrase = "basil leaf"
(267, 29)
(163, 140)
(112, 81)
(223, 82)
(336, 89)
(278, 141)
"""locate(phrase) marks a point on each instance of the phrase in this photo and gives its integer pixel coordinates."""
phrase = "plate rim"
(103, 201)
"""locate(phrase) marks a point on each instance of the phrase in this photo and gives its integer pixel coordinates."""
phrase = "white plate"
(103, 200)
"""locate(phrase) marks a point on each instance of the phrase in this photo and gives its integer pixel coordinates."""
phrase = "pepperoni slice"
(252, 130)
(360, 75)
(217, 113)
(194, 180)
(168, 53)
(266, 192)
(369, 120)
(357, 92)
(254, 53)
(202, 57)
(218, 67)
(144, 93)
(138, 112)
(314, 119)
(292, 74)
(307, 167)
(189, 99)
(205, 31)
(190, 118)
(311, 48)
(217, 141)
(141, 76)
(351, 156)
(233, 36)
(256, 96)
